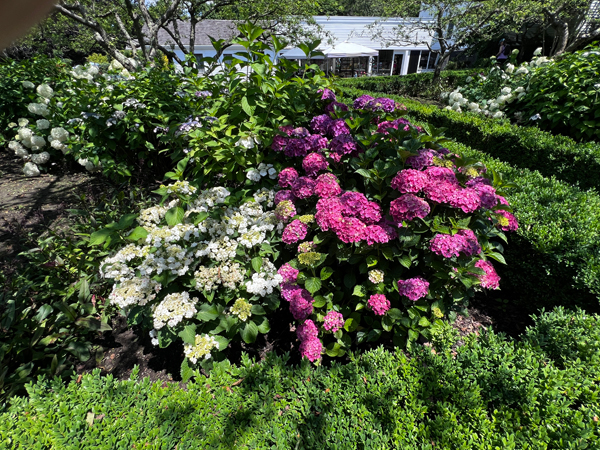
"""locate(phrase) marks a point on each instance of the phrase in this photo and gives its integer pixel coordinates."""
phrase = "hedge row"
(558, 253)
(494, 393)
(411, 85)
(526, 147)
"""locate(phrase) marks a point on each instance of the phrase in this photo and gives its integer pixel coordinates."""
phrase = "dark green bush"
(493, 393)
(525, 147)
(411, 85)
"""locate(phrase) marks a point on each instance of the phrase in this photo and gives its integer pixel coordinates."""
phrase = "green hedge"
(412, 85)
(526, 147)
(558, 252)
(494, 393)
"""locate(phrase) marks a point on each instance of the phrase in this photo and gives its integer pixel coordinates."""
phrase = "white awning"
(349, 50)
(296, 53)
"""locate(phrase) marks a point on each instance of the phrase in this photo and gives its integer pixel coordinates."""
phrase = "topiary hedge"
(492, 392)
(412, 85)
(526, 147)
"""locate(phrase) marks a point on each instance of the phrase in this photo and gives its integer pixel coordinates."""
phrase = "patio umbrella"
(349, 50)
(296, 53)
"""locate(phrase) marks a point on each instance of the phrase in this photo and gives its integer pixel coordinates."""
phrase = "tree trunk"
(562, 29)
(443, 59)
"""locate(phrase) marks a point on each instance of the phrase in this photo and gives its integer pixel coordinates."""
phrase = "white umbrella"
(349, 50)
(296, 53)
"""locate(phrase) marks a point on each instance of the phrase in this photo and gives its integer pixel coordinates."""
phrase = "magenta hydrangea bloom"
(283, 195)
(301, 304)
(300, 132)
(287, 129)
(423, 159)
(329, 108)
(303, 187)
(490, 280)
(384, 126)
(478, 181)
(307, 330)
(379, 304)
(311, 349)
(327, 95)
(410, 181)
(285, 210)
(288, 290)
(343, 144)
(333, 321)
(351, 229)
(413, 288)
(465, 199)
(513, 225)
(362, 101)
(440, 191)
(338, 127)
(382, 104)
(287, 176)
(297, 147)
(357, 205)
(313, 163)
(320, 124)
(317, 142)
(379, 234)
(435, 173)
(327, 186)
(288, 273)
(408, 207)
(329, 213)
(294, 232)
(447, 245)
(279, 143)
(471, 244)
(487, 195)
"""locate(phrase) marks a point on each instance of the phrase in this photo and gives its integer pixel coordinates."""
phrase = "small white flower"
(538, 51)
(31, 170)
(28, 84)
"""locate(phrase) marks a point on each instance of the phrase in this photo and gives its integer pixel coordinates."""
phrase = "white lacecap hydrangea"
(203, 345)
(39, 109)
(265, 280)
(42, 124)
(40, 158)
(173, 309)
(31, 170)
(136, 291)
(45, 91)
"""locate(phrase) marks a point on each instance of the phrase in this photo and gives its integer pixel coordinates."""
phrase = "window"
(199, 61)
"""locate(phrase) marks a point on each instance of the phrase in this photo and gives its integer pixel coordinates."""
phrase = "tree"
(450, 24)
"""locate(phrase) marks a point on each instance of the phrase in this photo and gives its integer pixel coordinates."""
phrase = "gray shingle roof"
(217, 29)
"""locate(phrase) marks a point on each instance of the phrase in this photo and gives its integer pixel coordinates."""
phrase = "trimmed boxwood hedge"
(492, 393)
(556, 258)
(411, 85)
(526, 147)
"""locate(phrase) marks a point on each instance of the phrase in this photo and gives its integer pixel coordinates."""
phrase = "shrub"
(492, 393)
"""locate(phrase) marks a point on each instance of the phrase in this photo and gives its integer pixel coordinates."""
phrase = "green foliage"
(98, 58)
(565, 93)
(418, 85)
(494, 393)
(55, 302)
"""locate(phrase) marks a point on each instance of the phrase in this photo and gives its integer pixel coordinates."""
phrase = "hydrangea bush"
(388, 231)
(199, 267)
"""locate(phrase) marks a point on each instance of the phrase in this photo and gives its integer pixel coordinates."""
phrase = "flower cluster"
(203, 345)
(379, 304)
(310, 345)
(413, 288)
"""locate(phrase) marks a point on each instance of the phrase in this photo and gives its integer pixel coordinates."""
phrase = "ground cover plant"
(492, 392)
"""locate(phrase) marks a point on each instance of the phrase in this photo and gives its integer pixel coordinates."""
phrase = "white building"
(394, 59)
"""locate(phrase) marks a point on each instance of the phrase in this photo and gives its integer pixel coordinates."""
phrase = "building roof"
(217, 29)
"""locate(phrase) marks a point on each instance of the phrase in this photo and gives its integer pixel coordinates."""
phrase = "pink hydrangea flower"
(410, 181)
(408, 207)
(320, 124)
(382, 104)
(413, 288)
(435, 173)
(288, 290)
(471, 244)
(362, 101)
(287, 176)
(487, 195)
(311, 349)
(281, 196)
(465, 199)
(285, 210)
(440, 191)
(317, 142)
(351, 229)
(343, 144)
(288, 273)
(338, 127)
(423, 159)
(294, 232)
(377, 234)
(447, 245)
(297, 147)
(384, 126)
(379, 304)
(279, 143)
(303, 187)
(329, 213)
(307, 330)
(327, 186)
(490, 280)
(287, 129)
(327, 95)
(333, 321)
(301, 304)
(513, 225)
(313, 163)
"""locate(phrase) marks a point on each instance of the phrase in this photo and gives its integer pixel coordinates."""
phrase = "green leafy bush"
(493, 393)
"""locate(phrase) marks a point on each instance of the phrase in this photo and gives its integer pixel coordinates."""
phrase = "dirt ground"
(33, 205)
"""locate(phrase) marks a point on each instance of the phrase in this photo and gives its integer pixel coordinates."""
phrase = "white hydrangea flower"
(510, 68)
(136, 291)
(537, 51)
(506, 90)
(153, 337)
(42, 124)
(245, 142)
(456, 107)
(115, 65)
(173, 308)
(253, 175)
(38, 141)
(24, 133)
(203, 345)
(498, 115)
(40, 158)
(31, 170)
(28, 84)
(59, 134)
(39, 109)
(265, 280)
(376, 276)
(45, 91)
(23, 122)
